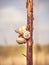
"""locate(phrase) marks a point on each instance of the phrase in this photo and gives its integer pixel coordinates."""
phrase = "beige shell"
(21, 40)
(26, 35)
(21, 30)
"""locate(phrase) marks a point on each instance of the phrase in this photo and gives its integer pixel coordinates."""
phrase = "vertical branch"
(30, 25)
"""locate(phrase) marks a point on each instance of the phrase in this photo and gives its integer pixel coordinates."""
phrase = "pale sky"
(13, 14)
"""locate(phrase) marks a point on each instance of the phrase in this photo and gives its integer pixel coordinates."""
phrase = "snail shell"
(21, 40)
(21, 30)
(26, 35)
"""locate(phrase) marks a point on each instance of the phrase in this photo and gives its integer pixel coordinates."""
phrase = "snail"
(21, 30)
(21, 40)
(26, 35)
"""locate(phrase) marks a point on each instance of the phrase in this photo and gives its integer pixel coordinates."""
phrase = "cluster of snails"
(24, 34)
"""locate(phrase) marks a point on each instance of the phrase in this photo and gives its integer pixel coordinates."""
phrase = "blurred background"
(13, 14)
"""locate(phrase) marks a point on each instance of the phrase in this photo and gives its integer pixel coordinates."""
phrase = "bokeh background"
(13, 14)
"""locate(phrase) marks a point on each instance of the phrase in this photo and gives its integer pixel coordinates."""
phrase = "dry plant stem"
(30, 29)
